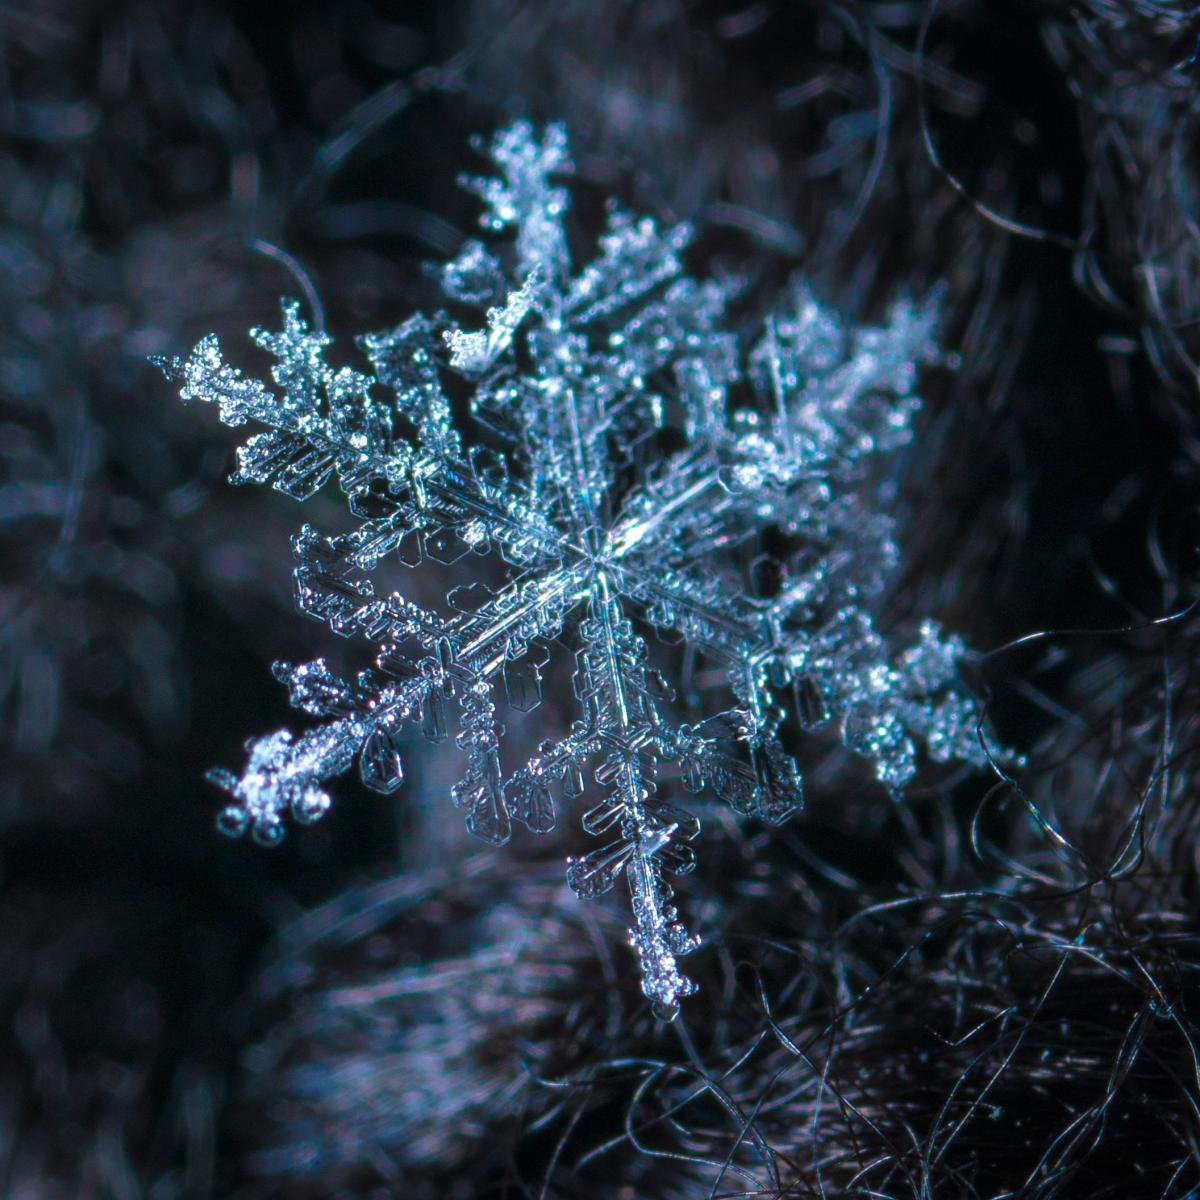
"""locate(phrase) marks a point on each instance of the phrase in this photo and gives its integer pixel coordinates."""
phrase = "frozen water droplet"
(573, 781)
(523, 682)
(311, 805)
(232, 821)
(433, 717)
(268, 831)
(812, 708)
(381, 766)
(530, 802)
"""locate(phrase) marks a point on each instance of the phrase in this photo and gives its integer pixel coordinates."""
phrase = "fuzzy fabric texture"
(989, 989)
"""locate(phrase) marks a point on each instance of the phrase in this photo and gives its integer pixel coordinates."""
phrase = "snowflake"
(629, 465)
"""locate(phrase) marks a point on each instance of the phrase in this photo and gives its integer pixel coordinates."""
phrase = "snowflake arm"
(474, 353)
(524, 195)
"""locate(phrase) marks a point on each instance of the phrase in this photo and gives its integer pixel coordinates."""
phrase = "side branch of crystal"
(615, 462)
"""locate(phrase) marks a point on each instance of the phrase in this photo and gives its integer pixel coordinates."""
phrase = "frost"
(626, 462)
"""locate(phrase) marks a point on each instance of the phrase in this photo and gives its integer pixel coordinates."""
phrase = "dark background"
(983, 992)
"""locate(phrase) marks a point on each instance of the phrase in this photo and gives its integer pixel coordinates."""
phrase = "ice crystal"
(629, 465)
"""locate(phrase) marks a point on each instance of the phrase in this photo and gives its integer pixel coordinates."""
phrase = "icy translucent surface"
(576, 379)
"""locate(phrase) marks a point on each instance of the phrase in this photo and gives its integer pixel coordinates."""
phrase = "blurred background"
(985, 991)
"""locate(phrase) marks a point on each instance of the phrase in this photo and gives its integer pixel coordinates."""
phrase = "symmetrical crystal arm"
(612, 681)
(705, 615)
